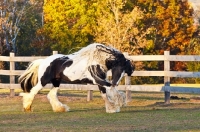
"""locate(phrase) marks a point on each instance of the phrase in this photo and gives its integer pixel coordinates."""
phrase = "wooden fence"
(166, 88)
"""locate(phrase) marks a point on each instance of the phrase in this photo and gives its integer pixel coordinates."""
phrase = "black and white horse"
(88, 65)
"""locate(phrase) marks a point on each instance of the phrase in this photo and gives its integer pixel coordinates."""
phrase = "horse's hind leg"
(57, 106)
(28, 97)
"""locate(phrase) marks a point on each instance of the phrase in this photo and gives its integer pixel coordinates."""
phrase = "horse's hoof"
(63, 108)
(60, 110)
(110, 111)
(28, 109)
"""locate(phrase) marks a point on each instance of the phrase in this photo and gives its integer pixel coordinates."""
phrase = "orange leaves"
(174, 23)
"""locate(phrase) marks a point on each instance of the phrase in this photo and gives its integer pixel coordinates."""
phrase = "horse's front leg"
(109, 105)
(113, 98)
(118, 97)
(57, 106)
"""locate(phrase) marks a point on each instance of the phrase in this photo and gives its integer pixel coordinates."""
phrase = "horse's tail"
(30, 77)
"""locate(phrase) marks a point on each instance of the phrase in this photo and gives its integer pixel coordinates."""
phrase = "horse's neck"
(93, 57)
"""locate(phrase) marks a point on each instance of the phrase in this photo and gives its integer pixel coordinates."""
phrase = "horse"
(89, 65)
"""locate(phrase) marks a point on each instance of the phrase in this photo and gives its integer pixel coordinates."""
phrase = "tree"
(19, 21)
(68, 23)
(74, 23)
(194, 50)
(29, 41)
(11, 14)
(172, 22)
(120, 27)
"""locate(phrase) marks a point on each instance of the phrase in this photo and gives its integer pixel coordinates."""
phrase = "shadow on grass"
(71, 93)
(160, 106)
(147, 98)
(87, 109)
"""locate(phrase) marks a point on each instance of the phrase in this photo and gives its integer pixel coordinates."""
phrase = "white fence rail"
(166, 88)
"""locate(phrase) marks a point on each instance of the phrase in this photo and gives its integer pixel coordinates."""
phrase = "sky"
(195, 3)
(196, 7)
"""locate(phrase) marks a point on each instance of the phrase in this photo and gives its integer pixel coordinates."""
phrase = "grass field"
(145, 113)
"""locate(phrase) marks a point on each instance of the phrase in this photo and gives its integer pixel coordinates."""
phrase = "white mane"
(95, 54)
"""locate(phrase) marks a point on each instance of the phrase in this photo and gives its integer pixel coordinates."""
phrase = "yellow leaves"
(191, 29)
(175, 28)
(160, 12)
(70, 21)
(166, 27)
(135, 30)
(150, 44)
(172, 42)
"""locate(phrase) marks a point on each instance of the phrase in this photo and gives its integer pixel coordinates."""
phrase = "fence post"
(89, 94)
(12, 77)
(55, 52)
(127, 82)
(128, 92)
(167, 78)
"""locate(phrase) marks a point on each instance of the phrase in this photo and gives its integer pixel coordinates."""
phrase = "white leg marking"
(114, 99)
(110, 107)
(57, 106)
(28, 97)
(122, 75)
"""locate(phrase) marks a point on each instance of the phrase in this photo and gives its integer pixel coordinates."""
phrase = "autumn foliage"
(133, 26)
(137, 27)
(172, 27)
(172, 22)
(69, 23)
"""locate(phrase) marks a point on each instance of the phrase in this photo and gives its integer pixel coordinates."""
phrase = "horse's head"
(116, 62)
(119, 65)
(129, 67)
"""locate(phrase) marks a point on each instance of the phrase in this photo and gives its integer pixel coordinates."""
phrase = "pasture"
(145, 113)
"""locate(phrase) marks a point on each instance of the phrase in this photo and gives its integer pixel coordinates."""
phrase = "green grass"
(145, 113)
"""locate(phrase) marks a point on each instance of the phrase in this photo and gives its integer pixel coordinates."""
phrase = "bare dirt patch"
(195, 100)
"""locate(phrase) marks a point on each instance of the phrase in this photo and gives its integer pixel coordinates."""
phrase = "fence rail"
(166, 73)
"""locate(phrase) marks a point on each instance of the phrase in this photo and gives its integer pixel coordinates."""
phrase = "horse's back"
(46, 63)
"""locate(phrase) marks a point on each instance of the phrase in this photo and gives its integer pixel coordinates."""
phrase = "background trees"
(139, 26)
(18, 24)
(28, 37)
(119, 25)
(11, 15)
(150, 27)
(172, 22)
(36, 27)
(69, 23)
(172, 27)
